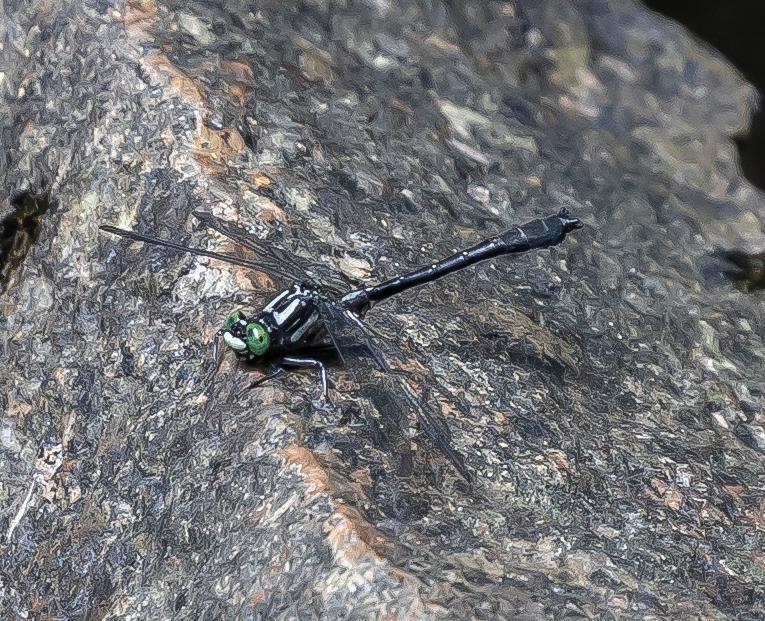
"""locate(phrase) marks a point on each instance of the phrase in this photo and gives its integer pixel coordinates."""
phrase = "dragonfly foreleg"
(275, 371)
(216, 349)
(309, 362)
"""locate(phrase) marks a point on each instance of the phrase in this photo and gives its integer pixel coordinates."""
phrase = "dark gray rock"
(607, 394)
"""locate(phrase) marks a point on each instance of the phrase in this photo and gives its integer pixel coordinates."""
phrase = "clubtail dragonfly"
(313, 315)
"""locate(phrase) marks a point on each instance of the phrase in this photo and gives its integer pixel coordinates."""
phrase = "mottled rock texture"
(607, 395)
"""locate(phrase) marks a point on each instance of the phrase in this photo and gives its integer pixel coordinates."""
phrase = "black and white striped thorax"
(293, 320)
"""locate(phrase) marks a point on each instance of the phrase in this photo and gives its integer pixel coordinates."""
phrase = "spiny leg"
(275, 371)
(309, 362)
(351, 328)
(216, 349)
(369, 341)
(278, 369)
(216, 360)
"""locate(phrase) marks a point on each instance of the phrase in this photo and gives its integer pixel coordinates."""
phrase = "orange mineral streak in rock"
(237, 71)
(759, 559)
(59, 374)
(370, 540)
(209, 331)
(362, 477)
(258, 598)
(248, 280)
(229, 70)
(412, 366)
(348, 546)
(270, 211)
(258, 178)
(238, 92)
(263, 281)
(352, 487)
(349, 534)
(44, 9)
(140, 16)
(443, 44)
(559, 459)
(214, 146)
(69, 465)
(237, 76)
(755, 515)
(309, 468)
(399, 105)
(670, 495)
(735, 490)
(180, 82)
(16, 409)
(355, 543)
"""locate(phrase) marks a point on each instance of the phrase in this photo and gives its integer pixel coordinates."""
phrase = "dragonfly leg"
(216, 360)
(370, 345)
(309, 362)
(216, 349)
(275, 371)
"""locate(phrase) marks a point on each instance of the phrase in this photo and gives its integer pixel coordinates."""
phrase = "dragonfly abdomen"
(539, 233)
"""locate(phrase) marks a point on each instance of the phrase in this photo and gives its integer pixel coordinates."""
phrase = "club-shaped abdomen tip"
(568, 221)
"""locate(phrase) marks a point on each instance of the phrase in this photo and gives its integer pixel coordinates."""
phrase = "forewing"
(268, 267)
(302, 269)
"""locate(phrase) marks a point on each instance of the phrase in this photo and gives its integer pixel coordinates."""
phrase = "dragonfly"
(317, 313)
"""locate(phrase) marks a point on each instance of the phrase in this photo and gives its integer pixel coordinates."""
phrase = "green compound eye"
(258, 339)
(233, 319)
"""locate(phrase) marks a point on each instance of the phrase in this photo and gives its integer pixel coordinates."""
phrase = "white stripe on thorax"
(308, 323)
(270, 306)
(280, 318)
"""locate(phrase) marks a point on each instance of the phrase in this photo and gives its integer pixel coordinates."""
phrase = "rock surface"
(607, 395)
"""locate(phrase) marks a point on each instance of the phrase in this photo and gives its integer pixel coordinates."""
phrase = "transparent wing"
(397, 402)
(308, 272)
(348, 332)
(262, 266)
(432, 423)
(241, 236)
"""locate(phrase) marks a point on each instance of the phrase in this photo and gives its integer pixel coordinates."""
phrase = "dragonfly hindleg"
(295, 361)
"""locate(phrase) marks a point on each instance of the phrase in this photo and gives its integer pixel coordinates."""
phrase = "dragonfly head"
(245, 336)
